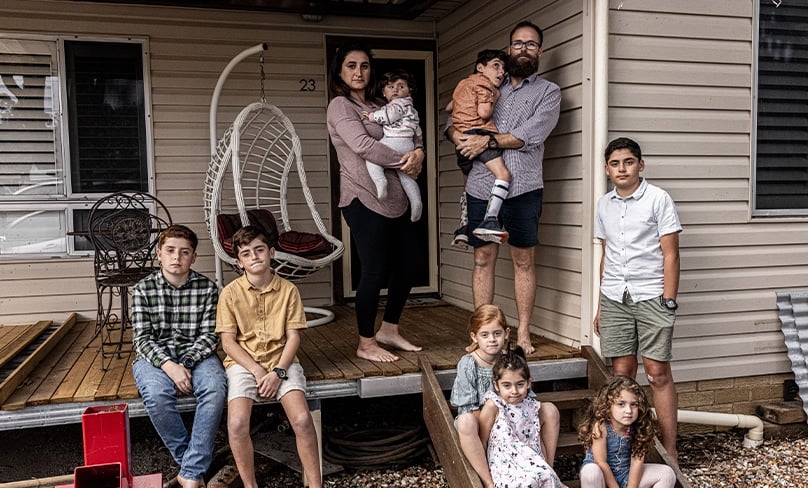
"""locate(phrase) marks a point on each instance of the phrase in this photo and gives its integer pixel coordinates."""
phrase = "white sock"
(498, 195)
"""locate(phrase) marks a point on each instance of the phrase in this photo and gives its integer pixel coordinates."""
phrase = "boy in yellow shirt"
(258, 318)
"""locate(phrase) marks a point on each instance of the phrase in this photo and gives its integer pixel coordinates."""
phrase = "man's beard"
(522, 68)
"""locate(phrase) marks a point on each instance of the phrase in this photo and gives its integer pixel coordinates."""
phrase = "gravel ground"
(719, 460)
(708, 461)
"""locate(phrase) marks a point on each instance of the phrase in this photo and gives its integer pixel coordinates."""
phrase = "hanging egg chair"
(251, 172)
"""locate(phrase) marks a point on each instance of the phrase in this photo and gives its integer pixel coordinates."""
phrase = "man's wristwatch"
(280, 372)
(188, 363)
(669, 303)
(492, 142)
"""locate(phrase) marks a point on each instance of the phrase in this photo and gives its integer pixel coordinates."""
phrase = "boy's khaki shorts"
(241, 383)
(626, 327)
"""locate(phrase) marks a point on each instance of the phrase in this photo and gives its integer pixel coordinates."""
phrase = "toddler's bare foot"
(370, 349)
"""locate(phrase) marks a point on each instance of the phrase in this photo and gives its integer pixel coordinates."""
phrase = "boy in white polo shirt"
(639, 231)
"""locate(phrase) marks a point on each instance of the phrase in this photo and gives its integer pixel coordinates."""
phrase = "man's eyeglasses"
(529, 45)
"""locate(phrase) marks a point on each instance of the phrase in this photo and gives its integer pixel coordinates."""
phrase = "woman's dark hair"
(339, 88)
(395, 75)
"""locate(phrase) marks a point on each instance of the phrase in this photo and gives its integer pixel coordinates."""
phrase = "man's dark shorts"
(519, 215)
(487, 155)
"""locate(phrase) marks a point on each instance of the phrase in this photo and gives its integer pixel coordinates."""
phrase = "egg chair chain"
(263, 95)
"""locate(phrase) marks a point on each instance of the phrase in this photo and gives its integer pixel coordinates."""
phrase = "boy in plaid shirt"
(173, 323)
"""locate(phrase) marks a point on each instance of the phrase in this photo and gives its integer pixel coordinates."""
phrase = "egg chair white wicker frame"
(250, 168)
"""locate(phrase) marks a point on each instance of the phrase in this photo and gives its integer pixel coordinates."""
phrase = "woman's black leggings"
(387, 251)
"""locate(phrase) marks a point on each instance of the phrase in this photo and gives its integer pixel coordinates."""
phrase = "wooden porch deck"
(58, 386)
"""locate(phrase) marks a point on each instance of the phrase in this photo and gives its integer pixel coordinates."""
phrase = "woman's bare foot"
(370, 349)
(388, 334)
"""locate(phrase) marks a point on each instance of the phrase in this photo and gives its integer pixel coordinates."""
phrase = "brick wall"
(731, 395)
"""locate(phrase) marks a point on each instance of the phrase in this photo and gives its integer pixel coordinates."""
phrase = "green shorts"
(627, 327)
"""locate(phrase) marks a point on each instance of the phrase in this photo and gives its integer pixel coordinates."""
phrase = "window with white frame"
(781, 142)
(72, 129)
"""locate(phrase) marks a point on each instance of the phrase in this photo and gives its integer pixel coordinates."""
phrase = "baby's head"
(397, 84)
(491, 64)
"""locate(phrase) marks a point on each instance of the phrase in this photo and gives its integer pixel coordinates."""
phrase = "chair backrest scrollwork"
(124, 228)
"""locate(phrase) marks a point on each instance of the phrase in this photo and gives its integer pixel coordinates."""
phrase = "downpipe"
(752, 438)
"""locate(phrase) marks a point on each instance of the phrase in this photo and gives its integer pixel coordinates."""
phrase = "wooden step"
(567, 399)
(568, 444)
(440, 424)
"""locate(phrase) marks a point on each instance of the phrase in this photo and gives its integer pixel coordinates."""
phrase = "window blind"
(29, 128)
(782, 107)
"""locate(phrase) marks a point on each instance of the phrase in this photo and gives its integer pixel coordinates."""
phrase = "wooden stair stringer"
(440, 424)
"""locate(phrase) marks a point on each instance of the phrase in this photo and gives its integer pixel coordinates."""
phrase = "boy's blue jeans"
(192, 451)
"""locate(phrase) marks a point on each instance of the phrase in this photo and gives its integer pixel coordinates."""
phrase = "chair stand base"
(325, 316)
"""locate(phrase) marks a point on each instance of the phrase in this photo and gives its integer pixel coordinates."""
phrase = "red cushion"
(228, 224)
(304, 244)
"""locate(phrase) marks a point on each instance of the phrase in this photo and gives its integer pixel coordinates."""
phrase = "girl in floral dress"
(510, 427)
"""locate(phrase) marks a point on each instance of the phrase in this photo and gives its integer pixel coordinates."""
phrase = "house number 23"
(307, 85)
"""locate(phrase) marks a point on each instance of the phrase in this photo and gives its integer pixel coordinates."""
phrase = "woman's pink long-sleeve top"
(356, 139)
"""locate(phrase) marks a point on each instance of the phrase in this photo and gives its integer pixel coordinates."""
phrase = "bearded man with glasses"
(525, 114)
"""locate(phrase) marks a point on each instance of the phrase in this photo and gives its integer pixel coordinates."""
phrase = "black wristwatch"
(492, 142)
(281, 373)
(669, 303)
(187, 362)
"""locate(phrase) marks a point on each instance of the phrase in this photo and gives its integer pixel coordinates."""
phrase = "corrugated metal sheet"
(793, 307)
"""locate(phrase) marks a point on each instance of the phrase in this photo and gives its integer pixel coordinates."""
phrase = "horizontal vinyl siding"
(681, 85)
(557, 308)
(188, 48)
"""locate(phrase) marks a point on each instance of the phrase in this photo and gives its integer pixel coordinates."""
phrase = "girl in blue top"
(617, 432)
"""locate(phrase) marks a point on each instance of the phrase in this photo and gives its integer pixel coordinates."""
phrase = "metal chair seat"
(125, 278)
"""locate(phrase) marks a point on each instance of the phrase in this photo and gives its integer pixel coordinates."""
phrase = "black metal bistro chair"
(123, 228)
